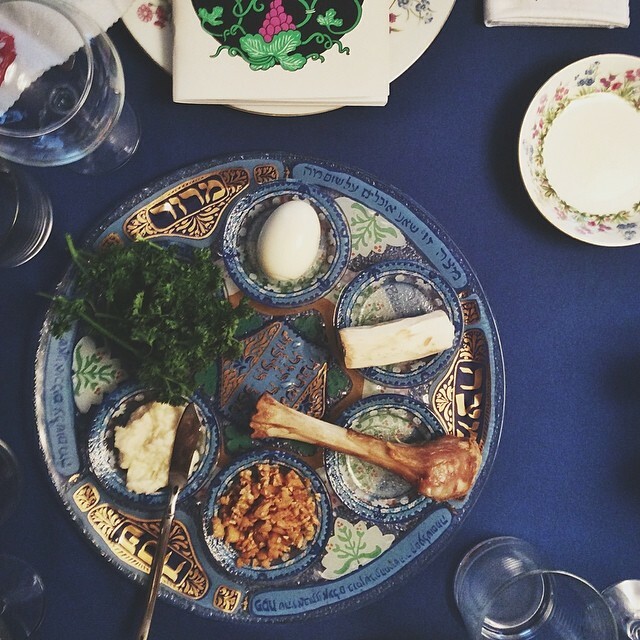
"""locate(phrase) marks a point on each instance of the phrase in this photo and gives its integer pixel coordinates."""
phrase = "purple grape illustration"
(284, 33)
(275, 21)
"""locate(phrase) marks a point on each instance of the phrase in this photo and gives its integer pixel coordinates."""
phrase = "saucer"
(579, 150)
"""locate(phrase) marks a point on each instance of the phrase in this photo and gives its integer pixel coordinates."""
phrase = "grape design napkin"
(21, 54)
(281, 52)
(557, 13)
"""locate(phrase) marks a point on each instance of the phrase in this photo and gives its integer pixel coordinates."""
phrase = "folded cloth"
(557, 13)
(25, 58)
(281, 52)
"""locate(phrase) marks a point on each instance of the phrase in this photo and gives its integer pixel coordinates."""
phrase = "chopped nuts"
(266, 514)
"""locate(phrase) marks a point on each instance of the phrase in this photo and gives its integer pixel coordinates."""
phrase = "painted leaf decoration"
(329, 19)
(263, 63)
(293, 63)
(212, 17)
(255, 46)
(284, 43)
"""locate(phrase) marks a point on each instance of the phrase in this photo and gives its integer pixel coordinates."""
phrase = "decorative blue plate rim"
(432, 365)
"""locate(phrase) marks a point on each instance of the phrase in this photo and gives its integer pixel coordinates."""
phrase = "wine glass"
(21, 599)
(10, 482)
(623, 599)
(25, 220)
(74, 112)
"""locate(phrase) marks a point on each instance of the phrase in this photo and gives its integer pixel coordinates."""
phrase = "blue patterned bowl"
(227, 556)
(369, 490)
(103, 457)
(243, 226)
(399, 289)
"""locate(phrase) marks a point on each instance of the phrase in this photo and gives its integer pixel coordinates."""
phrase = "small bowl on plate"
(579, 150)
(400, 289)
(115, 411)
(244, 223)
(226, 490)
(368, 490)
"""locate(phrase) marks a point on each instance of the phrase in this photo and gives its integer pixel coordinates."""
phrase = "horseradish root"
(396, 341)
(441, 469)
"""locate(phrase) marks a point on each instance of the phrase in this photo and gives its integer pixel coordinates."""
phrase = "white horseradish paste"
(145, 445)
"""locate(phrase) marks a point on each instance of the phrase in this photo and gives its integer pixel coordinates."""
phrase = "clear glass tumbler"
(624, 600)
(10, 482)
(21, 599)
(74, 112)
(25, 216)
(505, 592)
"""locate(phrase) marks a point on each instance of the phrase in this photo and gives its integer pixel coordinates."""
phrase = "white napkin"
(355, 72)
(557, 13)
(55, 43)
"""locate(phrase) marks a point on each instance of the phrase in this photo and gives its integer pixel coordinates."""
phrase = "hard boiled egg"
(289, 240)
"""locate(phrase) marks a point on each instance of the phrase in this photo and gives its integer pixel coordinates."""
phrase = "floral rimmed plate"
(413, 26)
(367, 489)
(299, 559)
(240, 252)
(400, 289)
(579, 150)
(103, 456)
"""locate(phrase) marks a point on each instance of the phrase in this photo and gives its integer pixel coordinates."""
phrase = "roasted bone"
(441, 469)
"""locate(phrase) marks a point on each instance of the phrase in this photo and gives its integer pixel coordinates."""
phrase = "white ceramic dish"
(413, 25)
(579, 150)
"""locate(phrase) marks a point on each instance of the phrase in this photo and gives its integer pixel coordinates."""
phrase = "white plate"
(579, 150)
(413, 25)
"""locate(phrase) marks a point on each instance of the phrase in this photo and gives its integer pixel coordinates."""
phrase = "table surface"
(566, 476)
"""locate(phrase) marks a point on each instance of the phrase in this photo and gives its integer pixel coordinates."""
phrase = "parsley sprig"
(165, 314)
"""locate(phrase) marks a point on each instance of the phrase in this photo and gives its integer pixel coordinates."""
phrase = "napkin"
(276, 53)
(557, 13)
(21, 54)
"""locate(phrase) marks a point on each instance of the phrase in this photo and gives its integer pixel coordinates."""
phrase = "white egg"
(289, 240)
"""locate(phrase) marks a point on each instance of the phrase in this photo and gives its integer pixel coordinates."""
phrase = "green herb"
(165, 313)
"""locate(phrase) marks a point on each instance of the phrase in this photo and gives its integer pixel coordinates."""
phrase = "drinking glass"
(10, 482)
(21, 599)
(504, 592)
(623, 599)
(25, 217)
(75, 111)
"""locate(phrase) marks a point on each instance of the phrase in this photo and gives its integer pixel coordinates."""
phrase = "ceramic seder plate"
(292, 353)
(413, 26)
(579, 150)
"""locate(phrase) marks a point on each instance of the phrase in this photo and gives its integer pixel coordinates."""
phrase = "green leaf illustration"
(293, 63)
(264, 55)
(329, 19)
(211, 17)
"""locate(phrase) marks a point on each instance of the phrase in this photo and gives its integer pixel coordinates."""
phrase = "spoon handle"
(158, 565)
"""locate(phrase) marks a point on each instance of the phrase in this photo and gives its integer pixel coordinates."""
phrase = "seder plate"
(374, 531)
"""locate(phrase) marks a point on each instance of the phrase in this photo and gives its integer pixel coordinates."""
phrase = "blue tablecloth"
(566, 476)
